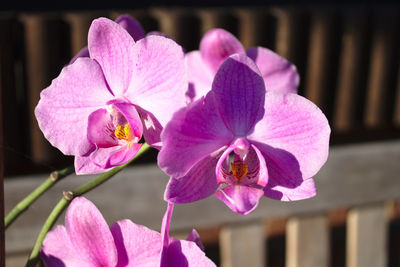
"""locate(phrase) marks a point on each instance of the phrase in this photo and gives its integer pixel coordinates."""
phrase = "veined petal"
(218, 44)
(287, 190)
(84, 52)
(89, 233)
(239, 92)
(200, 76)
(65, 105)
(86, 165)
(279, 74)
(132, 26)
(111, 46)
(101, 129)
(57, 250)
(159, 79)
(192, 134)
(241, 199)
(297, 134)
(137, 245)
(197, 184)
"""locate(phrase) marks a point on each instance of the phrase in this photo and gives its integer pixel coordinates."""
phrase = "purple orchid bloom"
(242, 142)
(86, 240)
(98, 108)
(218, 44)
(131, 25)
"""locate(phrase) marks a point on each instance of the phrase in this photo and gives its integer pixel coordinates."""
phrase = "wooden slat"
(218, 18)
(367, 237)
(382, 74)
(352, 72)
(252, 28)
(243, 245)
(181, 25)
(397, 103)
(322, 60)
(307, 242)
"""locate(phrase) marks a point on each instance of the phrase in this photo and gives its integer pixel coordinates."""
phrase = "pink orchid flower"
(131, 25)
(218, 44)
(242, 142)
(86, 240)
(98, 108)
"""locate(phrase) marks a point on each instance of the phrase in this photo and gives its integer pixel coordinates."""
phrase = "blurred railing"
(348, 59)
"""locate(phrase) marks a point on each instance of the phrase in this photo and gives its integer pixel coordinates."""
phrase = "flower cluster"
(228, 122)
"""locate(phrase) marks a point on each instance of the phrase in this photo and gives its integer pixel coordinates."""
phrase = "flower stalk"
(24, 204)
(66, 200)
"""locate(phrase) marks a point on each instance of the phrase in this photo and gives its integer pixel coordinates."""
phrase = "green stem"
(68, 197)
(33, 196)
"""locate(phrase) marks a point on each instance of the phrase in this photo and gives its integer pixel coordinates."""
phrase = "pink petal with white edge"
(58, 251)
(295, 134)
(65, 105)
(132, 26)
(239, 92)
(199, 75)
(90, 234)
(279, 74)
(198, 184)
(137, 245)
(216, 45)
(193, 134)
(285, 191)
(111, 46)
(241, 199)
(159, 79)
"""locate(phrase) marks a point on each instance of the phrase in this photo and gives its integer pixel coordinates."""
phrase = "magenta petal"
(114, 156)
(65, 105)
(100, 130)
(286, 190)
(57, 250)
(137, 245)
(131, 25)
(297, 134)
(199, 75)
(218, 44)
(151, 128)
(90, 234)
(111, 46)
(197, 184)
(159, 79)
(84, 52)
(195, 237)
(241, 199)
(279, 74)
(239, 92)
(192, 134)
(185, 253)
(131, 115)
(86, 165)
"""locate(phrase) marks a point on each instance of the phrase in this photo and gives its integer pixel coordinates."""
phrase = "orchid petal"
(279, 74)
(132, 26)
(89, 233)
(287, 190)
(58, 251)
(137, 245)
(84, 52)
(65, 106)
(131, 115)
(218, 44)
(193, 133)
(185, 253)
(297, 134)
(241, 199)
(239, 92)
(159, 79)
(197, 184)
(199, 75)
(111, 46)
(86, 165)
(100, 130)
(195, 237)
(152, 128)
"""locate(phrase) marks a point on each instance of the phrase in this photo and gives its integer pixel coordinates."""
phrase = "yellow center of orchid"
(239, 170)
(124, 132)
